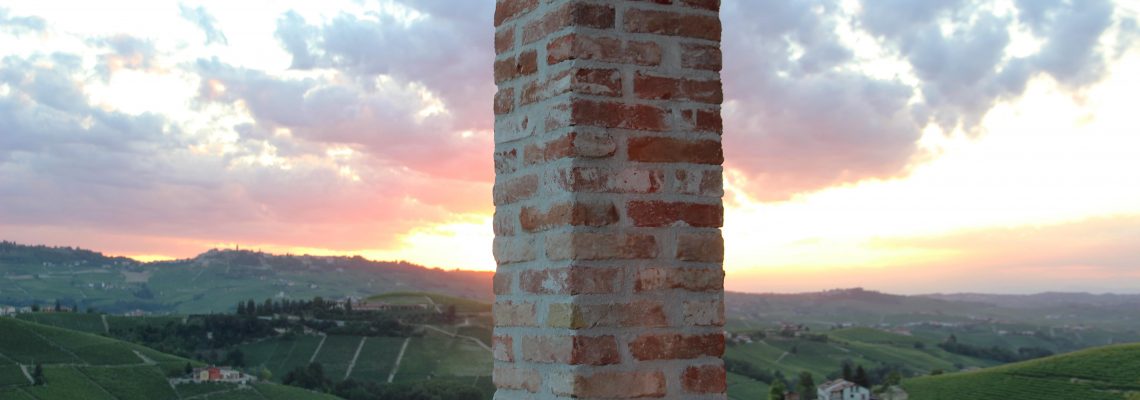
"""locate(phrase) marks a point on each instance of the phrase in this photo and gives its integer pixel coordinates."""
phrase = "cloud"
(20, 25)
(448, 51)
(805, 111)
(126, 52)
(67, 162)
(201, 18)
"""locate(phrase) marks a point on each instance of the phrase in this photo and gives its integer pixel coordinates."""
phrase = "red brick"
(512, 68)
(576, 46)
(600, 246)
(676, 346)
(702, 120)
(700, 247)
(515, 190)
(573, 144)
(504, 40)
(511, 250)
(691, 279)
(507, 9)
(668, 88)
(703, 312)
(517, 379)
(514, 314)
(571, 280)
(501, 283)
(504, 222)
(578, 213)
(601, 82)
(619, 385)
(661, 213)
(504, 101)
(711, 5)
(629, 180)
(701, 56)
(506, 161)
(673, 150)
(641, 313)
(614, 114)
(704, 379)
(577, 14)
(672, 24)
(702, 183)
(502, 348)
(572, 350)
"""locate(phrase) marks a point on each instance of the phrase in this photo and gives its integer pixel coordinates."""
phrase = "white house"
(842, 390)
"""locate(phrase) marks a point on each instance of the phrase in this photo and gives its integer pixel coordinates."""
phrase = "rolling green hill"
(211, 282)
(78, 365)
(1108, 373)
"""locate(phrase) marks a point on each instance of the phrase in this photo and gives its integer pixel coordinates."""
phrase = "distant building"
(842, 390)
(220, 374)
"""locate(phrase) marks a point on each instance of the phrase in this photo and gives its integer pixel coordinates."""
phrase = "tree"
(776, 392)
(235, 358)
(794, 350)
(348, 305)
(894, 378)
(806, 386)
(936, 371)
(35, 308)
(847, 371)
(952, 339)
(860, 377)
(189, 369)
(241, 308)
(38, 375)
(251, 307)
(57, 307)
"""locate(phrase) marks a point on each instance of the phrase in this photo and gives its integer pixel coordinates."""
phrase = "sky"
(897, 145)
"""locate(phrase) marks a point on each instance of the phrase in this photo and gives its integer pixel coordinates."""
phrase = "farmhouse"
(220, 374)
(842, 390)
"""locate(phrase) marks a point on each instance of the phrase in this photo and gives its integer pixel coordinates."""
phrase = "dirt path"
(318, 350)
(399, 358)
(146, 360)
(28, 375)
(106, 326)
(455, 335)
(352, 364)
(782, 357)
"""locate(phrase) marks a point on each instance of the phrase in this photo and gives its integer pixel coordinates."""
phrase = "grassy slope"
(461, 305)
(82, 365)
(1100, 373)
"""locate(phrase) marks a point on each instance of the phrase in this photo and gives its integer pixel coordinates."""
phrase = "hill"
(81, 365)
(211, 282)
(1103, 373)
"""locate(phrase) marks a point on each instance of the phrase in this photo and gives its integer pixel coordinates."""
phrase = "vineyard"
(1106, 373)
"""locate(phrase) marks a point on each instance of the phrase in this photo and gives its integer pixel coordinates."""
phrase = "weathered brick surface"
(677, 346)
(608, 199)
(705, 379)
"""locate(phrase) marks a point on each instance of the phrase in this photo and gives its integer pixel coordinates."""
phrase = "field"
(1110, 372)
(744, 388)
(80, 365)
(462, 306)
(377, 359)
(336, 355)
(281, 355)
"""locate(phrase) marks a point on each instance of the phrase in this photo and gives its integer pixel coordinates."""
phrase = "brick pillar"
(608, 200)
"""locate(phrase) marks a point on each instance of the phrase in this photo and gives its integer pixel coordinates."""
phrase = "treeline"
(993, 352)
(203, 337)
(313, 377)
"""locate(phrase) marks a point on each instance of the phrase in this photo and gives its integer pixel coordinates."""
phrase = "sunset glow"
(980, 146)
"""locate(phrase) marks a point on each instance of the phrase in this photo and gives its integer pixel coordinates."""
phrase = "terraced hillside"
(78, 365)
(1103, 373)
